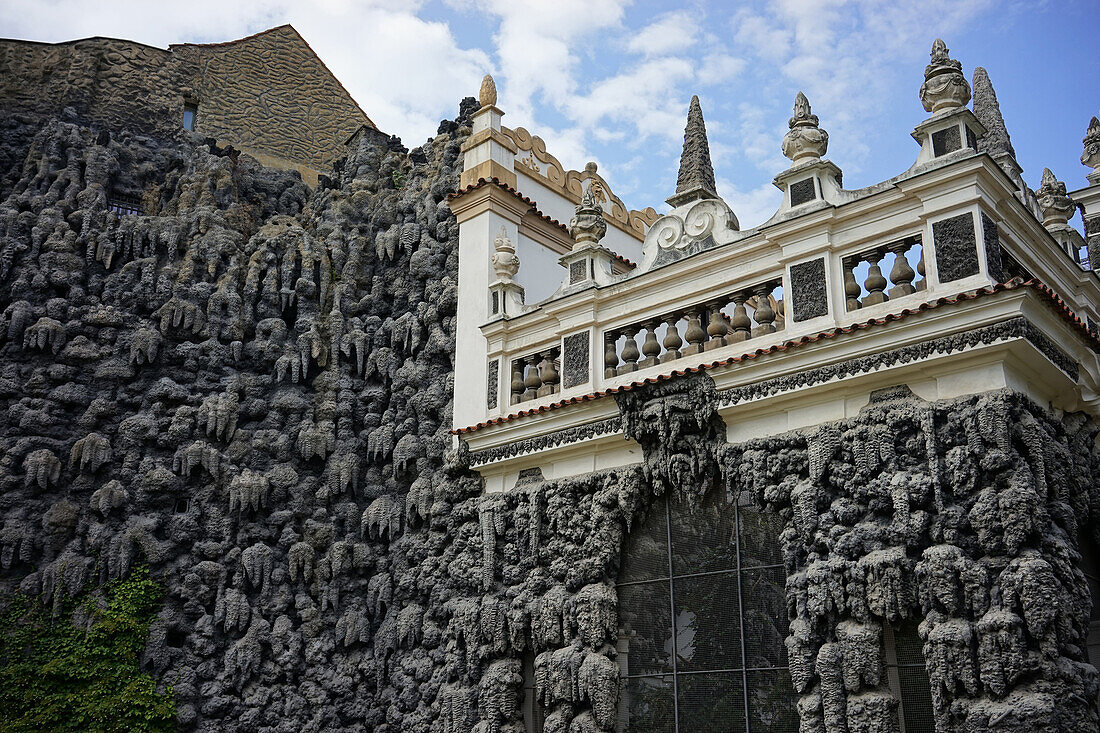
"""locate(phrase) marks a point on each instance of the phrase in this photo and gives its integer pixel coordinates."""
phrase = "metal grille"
(702, 618)
(908, 678)
(124, 205)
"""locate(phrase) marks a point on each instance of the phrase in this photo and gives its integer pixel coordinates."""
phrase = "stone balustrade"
(536, 375)
(742, 315)
(888, 273)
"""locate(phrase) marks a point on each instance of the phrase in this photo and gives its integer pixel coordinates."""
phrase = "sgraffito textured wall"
(268, 94)
(249, 386)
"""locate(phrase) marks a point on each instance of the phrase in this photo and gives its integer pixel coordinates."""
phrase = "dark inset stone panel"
(946, 141)
(808, 291)
(971, 138)
(956, 247)
(491, 396)
(575, 359)
(578, 271)
(803, 191)
(992, 249)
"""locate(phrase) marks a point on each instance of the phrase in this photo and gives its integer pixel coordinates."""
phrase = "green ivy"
(57, 677)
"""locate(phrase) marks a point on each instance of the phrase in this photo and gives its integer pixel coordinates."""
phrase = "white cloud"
(672, 32)
(719, 68)
(752, 207)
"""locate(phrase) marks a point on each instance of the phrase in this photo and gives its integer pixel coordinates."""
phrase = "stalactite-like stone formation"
(248, 387)
(965, 515)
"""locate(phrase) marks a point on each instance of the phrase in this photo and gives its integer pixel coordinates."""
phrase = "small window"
(907, 677)
(190, 112)
(182, 505)
(124, 205)
(533, 714)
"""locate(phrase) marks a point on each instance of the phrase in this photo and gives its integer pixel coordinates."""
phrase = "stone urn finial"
(504, 259)
(588, 225)
(1056, 206)
(944, 85)
(805, 140)
(488, 94)
(1091, 155)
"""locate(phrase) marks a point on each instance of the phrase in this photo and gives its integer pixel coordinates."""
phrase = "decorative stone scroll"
(570, 182)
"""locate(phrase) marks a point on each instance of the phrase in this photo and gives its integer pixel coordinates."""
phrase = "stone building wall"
(267, 95)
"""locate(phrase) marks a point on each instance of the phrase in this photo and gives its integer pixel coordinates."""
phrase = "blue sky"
(610, 80)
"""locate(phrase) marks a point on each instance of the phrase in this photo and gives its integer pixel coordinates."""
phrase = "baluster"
(630, 351)
(610, 353)
(672, 341)
(548, 374)
(695, 334)
(902, 274)
(764, 314)
(517, 381)
(780, 321)
(875, 282)
(923, 282)
(852, 290)
(740, 324)
(717, 327)
(651, 349)
(532, 381)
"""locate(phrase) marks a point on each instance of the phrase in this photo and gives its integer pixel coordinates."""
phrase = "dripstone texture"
(249, 388)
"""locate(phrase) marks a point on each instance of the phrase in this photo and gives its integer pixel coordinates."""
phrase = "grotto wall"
(966, 515)
(248, 387)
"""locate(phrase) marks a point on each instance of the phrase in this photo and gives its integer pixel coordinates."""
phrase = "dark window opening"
(124, 205)
(182, 506)
(907, 677)
(533, 714)
(702, 619)
(190, 114)
(1090, 566)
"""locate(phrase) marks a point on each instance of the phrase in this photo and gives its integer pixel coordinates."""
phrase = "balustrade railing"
(742, 315)
(536, 375)
(876, 286)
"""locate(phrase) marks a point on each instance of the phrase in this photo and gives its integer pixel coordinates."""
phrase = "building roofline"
(74, 41)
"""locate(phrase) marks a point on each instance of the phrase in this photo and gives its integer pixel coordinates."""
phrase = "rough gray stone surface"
(808, 293)
(946, 141)
(992, 244)
(492, 386)
(249, 388)
(803, 191)
(956, 247)
(695, 179)
(988, 110)
(575, 359)
(965, 514)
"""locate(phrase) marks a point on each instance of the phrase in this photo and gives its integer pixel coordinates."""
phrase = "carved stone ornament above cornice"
(682, 232)
(570, 182)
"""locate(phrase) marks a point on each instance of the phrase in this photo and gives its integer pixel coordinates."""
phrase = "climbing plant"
(59, 676)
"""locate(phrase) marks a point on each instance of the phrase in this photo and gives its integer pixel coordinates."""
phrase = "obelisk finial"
(696, 177)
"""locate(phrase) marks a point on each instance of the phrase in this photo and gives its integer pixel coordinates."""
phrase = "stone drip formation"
(249, 388)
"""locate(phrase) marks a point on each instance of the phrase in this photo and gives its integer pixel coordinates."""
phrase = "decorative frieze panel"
(803, 191)
(992, 248)
(492, 387)
(575, 358)
(956, 247)
(809, 297)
